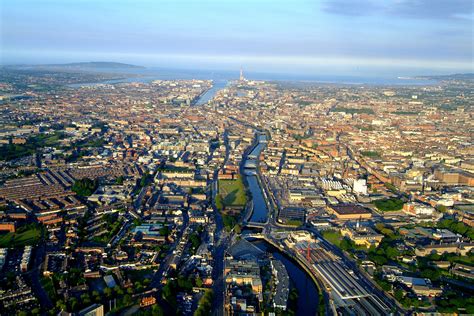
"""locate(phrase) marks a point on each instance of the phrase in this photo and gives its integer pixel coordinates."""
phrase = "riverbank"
(310, 299)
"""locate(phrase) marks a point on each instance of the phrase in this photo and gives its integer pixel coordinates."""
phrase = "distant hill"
(94, 65)
(466, 76)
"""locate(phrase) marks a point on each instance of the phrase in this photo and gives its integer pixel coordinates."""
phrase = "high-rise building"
(241, 74)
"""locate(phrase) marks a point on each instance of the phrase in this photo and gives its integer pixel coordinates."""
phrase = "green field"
(26, 235)
(232, 192)
(370, 153)
(389, 205)
(333, 237)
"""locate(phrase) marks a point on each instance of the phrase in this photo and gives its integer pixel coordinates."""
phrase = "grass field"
(333, 237)
(232, 192)
(389, 205)
(27, 235)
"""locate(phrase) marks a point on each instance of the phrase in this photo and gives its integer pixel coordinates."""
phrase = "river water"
(260, 210)
(308, 293)
(209, 94)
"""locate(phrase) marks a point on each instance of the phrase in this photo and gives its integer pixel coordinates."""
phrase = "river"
(308, 297)
(260, 209)
(209, 94)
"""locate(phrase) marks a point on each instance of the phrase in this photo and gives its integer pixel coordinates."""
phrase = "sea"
(221, 77)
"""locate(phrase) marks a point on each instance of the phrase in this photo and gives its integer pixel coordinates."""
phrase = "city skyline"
(304, 37)
(234, 158)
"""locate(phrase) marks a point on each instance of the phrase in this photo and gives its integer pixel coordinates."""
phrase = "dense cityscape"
(124, 196)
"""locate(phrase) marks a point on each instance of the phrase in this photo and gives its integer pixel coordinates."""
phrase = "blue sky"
(299, 36)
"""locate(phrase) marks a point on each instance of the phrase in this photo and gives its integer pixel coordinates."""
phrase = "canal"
(260, 209)
(308, 295)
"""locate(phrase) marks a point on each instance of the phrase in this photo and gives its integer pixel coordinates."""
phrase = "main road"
(221, 242)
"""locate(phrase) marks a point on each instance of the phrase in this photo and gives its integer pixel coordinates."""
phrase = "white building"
(360, 186)
(418, 209)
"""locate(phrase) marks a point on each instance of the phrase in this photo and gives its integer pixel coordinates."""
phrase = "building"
(418, 209)
(362, 235)
(360, 186)
(458, 248)
(243, 272)
(147, 301)
(350, 211)
(110, 281)
(25, 258)
(455, 177)
(3, 257)
(446, 236)
(423, 290)
(292, 216)
(8, 226)
(282, 280)
(93, 310)
(463, 271)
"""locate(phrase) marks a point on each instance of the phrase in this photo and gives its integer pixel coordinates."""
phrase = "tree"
(119, 180)
(108, 292)
(392, 252)
(219, 202)
(138, 286)
(127, 300)
(185, 283)
(198, 281)
(431, 274)
(379, 226)
(378, 259)
(398, 294)
(237, 229)
(461, 228)
(61, 305)
(145, 179)
(164, 231)
(195, 240)
(84, 187)
(156, 310)
(118, 290)
(73, 303)
(346, 244)
(204, 304)
(85, 298)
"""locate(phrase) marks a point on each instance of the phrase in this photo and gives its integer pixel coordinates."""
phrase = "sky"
(292, 36)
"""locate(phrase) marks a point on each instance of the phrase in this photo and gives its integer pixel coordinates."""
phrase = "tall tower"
(241, 74)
